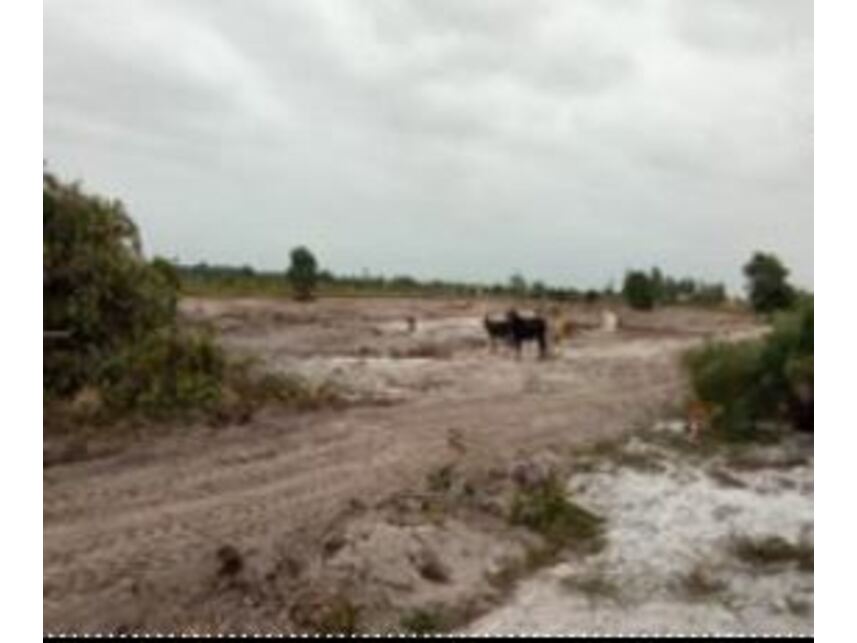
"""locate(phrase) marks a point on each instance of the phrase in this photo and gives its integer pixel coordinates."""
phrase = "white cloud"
(458, 138)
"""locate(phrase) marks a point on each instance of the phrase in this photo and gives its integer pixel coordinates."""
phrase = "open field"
(247, 526)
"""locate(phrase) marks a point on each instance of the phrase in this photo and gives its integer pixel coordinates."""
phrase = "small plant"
(340, 617)
(547, 510)
(773, 551)
(424, 621)
(261, 387)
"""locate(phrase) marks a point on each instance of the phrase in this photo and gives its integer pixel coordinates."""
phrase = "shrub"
(164, 373)
(769, 379)
(260, 388)
(725, 376)
(98, 290)
(773, 550)
(424, 621)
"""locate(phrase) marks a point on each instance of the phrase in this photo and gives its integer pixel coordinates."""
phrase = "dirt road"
(131, 539)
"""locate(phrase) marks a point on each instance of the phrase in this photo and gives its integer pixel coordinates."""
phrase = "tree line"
(304, 278)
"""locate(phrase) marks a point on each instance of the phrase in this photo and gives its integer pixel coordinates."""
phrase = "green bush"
(769, 379)
(167, 372)
(424, 621)
(99, 293)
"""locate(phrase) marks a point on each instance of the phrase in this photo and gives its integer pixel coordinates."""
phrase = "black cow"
(498, 329)
(515, 330)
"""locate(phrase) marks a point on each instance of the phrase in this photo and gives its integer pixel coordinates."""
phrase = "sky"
(567, 140)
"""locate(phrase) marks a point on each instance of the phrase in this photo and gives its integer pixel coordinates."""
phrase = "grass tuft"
(547, 510)
(773, 551)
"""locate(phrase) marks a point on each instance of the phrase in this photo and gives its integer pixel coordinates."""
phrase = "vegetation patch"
(425, 621)
(755, 384)
(547, 510)
(114, 346)
(774, 551)
(321, 612)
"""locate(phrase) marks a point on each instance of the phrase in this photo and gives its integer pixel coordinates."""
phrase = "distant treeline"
(212, 279)
(645, 290)
(203, 278)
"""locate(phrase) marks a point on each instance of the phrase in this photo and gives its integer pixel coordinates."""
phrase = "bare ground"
(258, 526)
(702, 545)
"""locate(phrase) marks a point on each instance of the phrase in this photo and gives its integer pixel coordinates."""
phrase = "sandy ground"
(140, 539)
(669, 565)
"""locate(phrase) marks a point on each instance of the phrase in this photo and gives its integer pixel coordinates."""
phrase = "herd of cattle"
(515, 329)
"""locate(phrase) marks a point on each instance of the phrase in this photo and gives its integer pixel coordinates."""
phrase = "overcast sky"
(565, 139)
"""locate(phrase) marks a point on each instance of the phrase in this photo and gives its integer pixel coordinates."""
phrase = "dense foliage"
(303, 273)
(113, 344)
(99, 292)
(767, 285)
(644, 291)
(757, 381)
(639, 290)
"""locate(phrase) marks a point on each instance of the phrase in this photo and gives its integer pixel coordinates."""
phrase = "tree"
(303, 273)
(766, 283)
(638, 290)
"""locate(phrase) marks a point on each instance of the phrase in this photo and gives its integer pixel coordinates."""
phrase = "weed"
(547, 510)
(341, 618)
(424, 621)
(772, 551)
